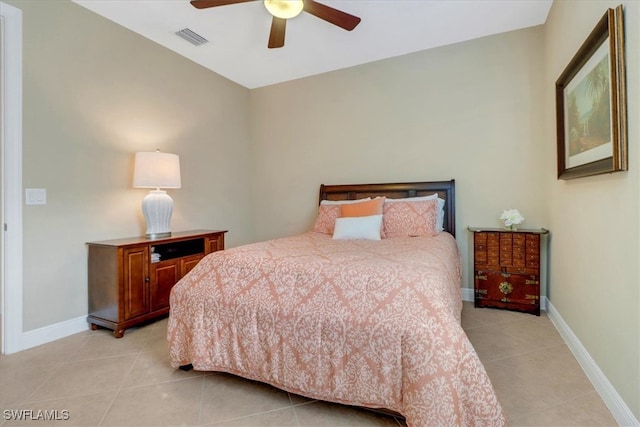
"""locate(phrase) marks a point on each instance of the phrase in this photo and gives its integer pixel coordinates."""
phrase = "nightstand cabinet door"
(130, 280)
(506, 269)
(215, 243)
(163, 276)
(136, 282)
(187, 263)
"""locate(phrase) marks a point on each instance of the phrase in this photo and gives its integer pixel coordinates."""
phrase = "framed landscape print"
(591, 113)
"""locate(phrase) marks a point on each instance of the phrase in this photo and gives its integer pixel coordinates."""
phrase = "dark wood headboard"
(445, 190)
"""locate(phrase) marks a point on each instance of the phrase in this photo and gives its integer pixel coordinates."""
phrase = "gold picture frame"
(591, 112)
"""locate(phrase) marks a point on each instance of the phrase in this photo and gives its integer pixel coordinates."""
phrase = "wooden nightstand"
(130, 279)
(506, 268)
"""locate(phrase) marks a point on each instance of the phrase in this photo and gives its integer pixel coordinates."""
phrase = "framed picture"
(591, 112)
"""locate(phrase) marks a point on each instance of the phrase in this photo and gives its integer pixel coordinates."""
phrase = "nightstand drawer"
(502, 290)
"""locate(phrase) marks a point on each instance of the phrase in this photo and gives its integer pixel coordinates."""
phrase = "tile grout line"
(115, 396)
(26, 399)
(201, 400)
(73, 396)
(522, 353)
(243, 417)
(177, 380)
(574, 398)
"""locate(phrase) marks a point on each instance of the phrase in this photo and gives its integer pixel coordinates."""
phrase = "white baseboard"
(609, 395)
(53, 332)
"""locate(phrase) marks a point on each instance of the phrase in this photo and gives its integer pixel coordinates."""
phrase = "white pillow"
(440, 219)
(343, 202)
(358, 227)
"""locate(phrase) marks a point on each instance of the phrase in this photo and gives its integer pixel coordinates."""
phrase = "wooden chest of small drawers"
(506, 268)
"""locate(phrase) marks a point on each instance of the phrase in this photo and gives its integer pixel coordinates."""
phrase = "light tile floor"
(103, 381)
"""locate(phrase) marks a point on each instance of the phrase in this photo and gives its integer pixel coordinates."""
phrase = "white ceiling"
(238, 33)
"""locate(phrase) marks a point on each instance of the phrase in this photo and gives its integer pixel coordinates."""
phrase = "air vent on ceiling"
(192, 37)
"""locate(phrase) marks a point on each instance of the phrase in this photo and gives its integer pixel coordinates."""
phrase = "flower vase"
(512, 227)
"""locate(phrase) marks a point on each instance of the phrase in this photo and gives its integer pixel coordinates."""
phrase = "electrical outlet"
(36, 196)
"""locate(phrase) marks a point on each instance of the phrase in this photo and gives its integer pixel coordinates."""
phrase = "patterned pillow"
(440, 225)
(326, 221)
(408, 219)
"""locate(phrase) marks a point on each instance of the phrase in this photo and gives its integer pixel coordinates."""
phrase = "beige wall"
(95, 93)
(595, 278)
(468, 111)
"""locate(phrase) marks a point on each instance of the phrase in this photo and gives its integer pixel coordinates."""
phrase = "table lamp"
(157, 170)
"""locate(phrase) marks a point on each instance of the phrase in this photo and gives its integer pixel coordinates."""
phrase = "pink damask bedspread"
(366, 323)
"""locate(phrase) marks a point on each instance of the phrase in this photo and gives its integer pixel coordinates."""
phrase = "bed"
(370, 323)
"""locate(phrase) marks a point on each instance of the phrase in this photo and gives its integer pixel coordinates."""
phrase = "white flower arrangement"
(511, 218)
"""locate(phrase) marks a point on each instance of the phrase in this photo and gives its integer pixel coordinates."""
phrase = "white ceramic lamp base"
(157, 208)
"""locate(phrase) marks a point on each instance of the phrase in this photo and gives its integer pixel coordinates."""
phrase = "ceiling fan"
(286, 9)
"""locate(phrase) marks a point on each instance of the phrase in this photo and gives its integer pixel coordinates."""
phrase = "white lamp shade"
(156, 170)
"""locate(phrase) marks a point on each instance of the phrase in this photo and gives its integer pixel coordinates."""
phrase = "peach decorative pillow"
(408, 219)
(372, 207)
(326, 221)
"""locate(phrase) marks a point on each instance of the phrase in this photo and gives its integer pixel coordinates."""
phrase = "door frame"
(11, 192)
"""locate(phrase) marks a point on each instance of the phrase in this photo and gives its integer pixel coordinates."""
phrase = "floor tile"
(226, 397)
(554, 369)
(169, 404)
(153, 367)
(57, 351)
(102, 343)
(583, 411)
(85, 377)
(323, 414)
(81, 411)
(472, 317)
(491, 343)
(279, 418)
(540, 334)
(516, 395)
(17, 383)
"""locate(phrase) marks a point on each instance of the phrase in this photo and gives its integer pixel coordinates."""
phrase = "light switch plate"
(36, 196)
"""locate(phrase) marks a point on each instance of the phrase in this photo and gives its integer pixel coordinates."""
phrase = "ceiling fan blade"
(276, 37)
(331, 15)
(203, 4)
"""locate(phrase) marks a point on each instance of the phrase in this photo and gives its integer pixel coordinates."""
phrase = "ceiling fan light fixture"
(284, 9)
